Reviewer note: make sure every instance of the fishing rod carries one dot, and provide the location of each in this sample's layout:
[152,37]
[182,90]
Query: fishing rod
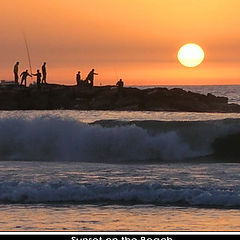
[28,54]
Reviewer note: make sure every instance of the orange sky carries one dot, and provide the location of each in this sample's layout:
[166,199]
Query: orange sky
[137,40]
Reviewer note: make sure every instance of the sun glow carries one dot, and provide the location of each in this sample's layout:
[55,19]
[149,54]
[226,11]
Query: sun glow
[190,55]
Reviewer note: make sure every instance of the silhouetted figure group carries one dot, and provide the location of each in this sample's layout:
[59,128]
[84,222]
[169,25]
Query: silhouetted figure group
[41,77]
[88,82]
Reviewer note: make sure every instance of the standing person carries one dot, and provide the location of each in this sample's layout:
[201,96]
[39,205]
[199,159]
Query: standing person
[44,73]
[15,71]
[78,78]
[90,77]
[24,76]
[39,75]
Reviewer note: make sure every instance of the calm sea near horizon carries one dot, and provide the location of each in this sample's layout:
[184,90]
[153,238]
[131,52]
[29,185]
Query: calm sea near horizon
[93,170]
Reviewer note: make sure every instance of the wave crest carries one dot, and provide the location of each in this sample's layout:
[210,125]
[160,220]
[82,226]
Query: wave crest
[56,139]
[145,193]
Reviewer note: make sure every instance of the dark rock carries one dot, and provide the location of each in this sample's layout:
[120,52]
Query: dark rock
[53,96]
[211,97]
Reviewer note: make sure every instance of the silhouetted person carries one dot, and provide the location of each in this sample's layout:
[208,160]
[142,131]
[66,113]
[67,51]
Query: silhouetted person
[120,83]
[90,77]
[44,73]
[78,78]
[24,76]
[15,71]
[39,75]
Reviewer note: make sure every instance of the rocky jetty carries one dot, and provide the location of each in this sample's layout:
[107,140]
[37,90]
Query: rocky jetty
[53,96]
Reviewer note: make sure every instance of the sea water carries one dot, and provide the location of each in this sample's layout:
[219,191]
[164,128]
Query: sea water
[118,171]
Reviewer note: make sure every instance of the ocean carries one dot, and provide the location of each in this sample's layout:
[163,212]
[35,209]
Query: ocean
[119,170]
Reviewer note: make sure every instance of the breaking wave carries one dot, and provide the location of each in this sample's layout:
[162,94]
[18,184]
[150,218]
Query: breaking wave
[58,139]
[145,193]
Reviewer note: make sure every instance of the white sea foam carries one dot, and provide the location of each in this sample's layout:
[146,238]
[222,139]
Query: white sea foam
[67,140]
[57,139]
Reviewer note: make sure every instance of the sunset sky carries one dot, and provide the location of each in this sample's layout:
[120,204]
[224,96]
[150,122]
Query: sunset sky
[136,40]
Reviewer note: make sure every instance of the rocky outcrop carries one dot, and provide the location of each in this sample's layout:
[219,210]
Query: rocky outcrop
[53,96]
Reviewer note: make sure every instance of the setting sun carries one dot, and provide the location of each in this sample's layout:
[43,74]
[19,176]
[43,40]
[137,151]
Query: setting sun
[190,55]
[119,116]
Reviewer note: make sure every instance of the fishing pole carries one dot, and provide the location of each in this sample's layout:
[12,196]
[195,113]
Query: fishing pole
[28,54]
